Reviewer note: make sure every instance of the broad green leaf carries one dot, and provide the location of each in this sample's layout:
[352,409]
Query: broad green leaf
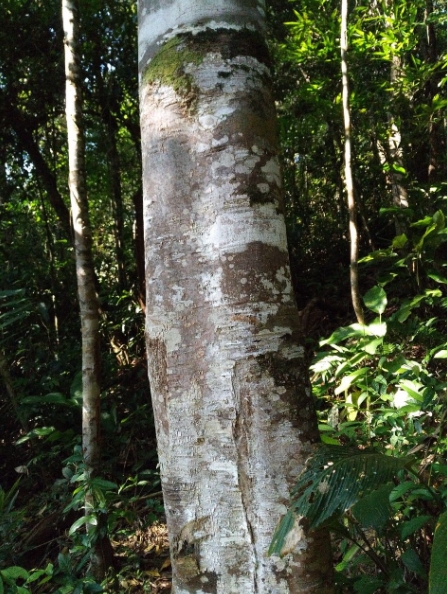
[350,363]
[377,255]
[374,510]
[347,380]
[441,354]
[413,563]
[438,566]
[376,299]
[422,222]
[14,572]
[439,219]
[329,440]
[399,169]
[413,389]
[400,241]
[411,526]
[37,574]
[324,362]
[90,519]
[372,346]
[343,333]
[438,278]
[394,365]
[376,329]
[325,428]
[408,212]
[103,484]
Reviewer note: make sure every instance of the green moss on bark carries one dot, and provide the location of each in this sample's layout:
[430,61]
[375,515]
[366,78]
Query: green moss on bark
[167,67]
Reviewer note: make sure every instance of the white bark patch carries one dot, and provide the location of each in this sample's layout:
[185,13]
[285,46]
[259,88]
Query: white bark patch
[170,18]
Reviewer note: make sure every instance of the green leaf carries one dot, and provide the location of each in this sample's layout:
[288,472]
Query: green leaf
[400,241]
[376,299]
[376,329]
[14,572]
[281,532]
[411,526]
[441,354]
[329,440]
[90,519]
[438,565]
[413,389]
[347,557]
[412,562]
[342,334]
[374,510]
[347,380]
[439,219]
[377,255]
[368,584]
[372,346]
[103,484]
[422,222]
[438,278]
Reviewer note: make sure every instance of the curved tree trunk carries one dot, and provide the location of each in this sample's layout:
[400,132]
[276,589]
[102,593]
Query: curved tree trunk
[349,181]
[234,413]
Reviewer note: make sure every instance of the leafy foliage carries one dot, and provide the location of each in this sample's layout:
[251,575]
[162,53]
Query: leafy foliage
[384,388]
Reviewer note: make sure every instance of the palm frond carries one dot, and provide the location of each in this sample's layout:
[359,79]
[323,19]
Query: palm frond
[335,477]
[333,480]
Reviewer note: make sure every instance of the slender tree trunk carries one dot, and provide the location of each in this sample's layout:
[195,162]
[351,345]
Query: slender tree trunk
[353,230]
[137,199]
[435,142]
[391,153]
[47,177]
[88,302]
[234,414]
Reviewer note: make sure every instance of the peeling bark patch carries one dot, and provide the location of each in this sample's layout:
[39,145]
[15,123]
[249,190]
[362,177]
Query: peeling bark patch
[252,276]
[157,374]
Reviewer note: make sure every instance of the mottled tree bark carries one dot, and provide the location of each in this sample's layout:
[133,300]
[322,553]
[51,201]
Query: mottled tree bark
[234,413]
[88,302]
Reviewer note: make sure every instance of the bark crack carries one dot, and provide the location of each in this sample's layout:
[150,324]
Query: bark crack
[241,446]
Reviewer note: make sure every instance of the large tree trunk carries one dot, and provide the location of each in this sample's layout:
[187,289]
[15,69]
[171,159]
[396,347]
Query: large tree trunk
[234,414]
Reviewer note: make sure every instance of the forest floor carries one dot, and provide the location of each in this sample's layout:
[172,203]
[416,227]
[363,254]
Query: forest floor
[149,548]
